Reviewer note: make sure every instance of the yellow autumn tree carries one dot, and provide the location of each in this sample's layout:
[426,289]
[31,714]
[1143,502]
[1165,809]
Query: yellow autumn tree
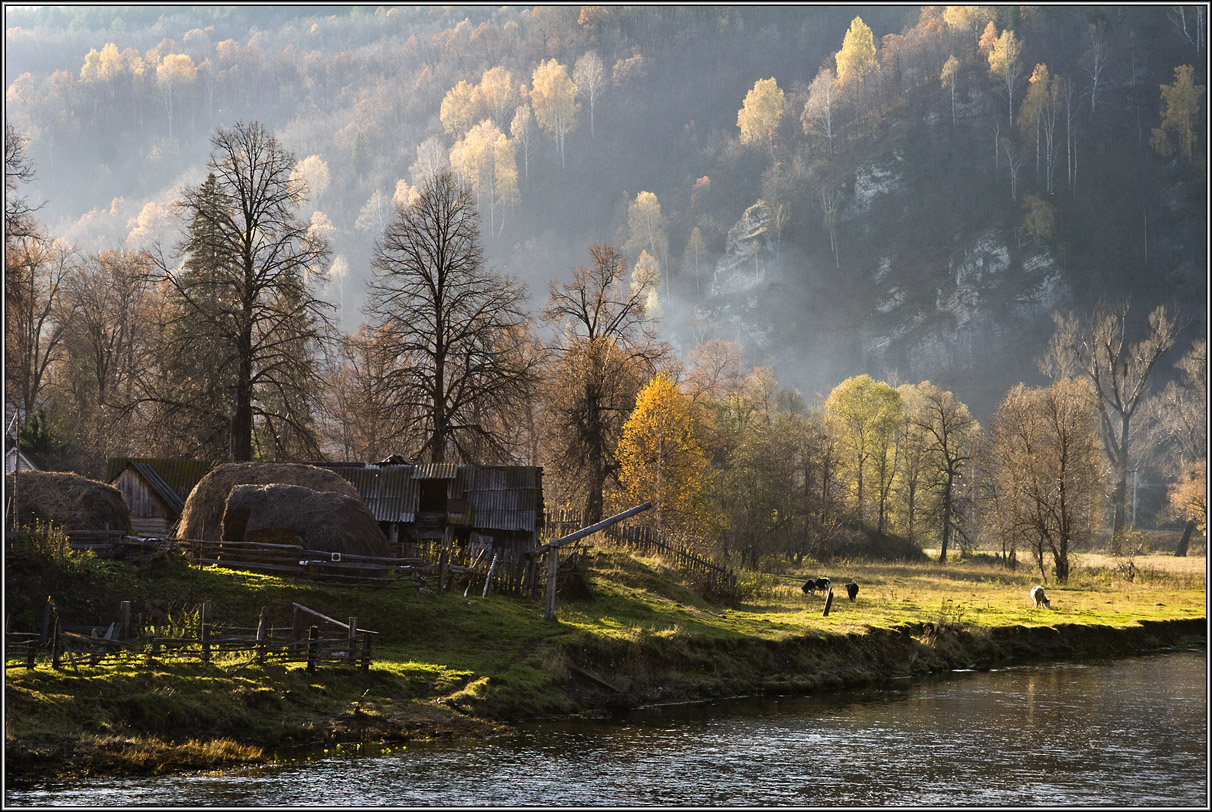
[761,113]
[857,61]
[660,459]
[1182,101]
[1004,65]
[460,108]
[174,72]
[553,95]
[499,93]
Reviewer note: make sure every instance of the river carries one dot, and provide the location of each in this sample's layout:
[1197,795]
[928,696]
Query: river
[1129,732]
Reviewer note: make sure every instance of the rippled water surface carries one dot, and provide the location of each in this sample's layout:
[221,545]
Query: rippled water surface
[1122,733]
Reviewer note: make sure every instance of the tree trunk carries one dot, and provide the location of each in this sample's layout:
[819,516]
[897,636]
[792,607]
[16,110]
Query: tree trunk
[1185,541]
[241,424]
[942,557]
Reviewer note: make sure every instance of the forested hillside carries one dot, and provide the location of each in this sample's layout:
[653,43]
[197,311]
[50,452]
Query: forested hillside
[909,193]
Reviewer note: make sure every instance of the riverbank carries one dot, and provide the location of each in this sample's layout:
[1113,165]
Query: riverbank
[452,666]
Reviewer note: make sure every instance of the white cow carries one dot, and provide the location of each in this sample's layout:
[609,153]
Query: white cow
[1037,595]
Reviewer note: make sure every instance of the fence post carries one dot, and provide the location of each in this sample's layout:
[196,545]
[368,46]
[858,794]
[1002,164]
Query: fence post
[366,651]
[828,602]
[46,619]
[261,632]
[442,559]
[313,647]
[353,640]
[553,567]
[31,649]
[204,632]
[151,646]
[124,620]
[55,663]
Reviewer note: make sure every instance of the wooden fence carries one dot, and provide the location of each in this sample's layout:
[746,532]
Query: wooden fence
[647,541]
[509,567]
[302,641]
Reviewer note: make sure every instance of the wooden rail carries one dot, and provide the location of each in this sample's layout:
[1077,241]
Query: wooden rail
[74,646]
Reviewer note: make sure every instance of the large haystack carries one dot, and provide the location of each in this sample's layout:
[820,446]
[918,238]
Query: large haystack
[332,522]
[202,517]
[69,501]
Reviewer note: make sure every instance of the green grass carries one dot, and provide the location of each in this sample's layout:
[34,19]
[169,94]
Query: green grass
[443,660]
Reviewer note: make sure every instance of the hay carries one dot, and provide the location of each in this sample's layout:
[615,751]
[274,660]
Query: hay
[203,514]
[68,501]
[331,522]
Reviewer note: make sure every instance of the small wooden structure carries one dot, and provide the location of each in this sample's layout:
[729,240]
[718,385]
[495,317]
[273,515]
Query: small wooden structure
[155,490]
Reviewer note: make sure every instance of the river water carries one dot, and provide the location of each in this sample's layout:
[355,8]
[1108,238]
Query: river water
[1130,732]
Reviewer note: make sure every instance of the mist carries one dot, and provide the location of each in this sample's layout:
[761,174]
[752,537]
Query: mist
[936,276]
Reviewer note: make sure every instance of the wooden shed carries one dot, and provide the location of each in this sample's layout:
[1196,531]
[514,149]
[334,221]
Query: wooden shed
[481,505]
[155,490]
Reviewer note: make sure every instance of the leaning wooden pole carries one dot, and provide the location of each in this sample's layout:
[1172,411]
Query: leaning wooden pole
[553,556]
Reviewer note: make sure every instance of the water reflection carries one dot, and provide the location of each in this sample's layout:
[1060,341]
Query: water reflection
[1131,732]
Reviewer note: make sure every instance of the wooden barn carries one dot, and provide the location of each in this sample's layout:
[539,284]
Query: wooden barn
[155,490]
[473,508]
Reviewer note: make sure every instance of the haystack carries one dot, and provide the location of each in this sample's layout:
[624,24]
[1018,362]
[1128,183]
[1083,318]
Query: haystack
[69,501]
[332,522]
[202,517]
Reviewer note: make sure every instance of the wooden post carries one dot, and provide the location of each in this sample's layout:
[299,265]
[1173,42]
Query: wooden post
[55,644]
[124,620]
[204,632]
[313,647]
[151,646]
[353,640]
[296,623]
[31,649]
[442,559]
[488,577]
[366,652]
[553,568]
[46,619]
[262,625]
[828,602]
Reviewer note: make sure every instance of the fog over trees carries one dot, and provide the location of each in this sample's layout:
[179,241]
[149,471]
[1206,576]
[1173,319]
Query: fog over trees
[858,255]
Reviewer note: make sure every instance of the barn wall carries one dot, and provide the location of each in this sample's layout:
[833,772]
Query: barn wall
[140,498]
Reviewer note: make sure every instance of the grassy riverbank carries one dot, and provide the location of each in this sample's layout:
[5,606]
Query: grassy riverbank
[456,666]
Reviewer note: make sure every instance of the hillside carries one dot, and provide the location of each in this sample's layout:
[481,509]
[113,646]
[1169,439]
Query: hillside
[942,270]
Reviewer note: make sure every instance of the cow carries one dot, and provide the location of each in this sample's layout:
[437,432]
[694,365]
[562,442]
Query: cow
[1037,595]
[814,585]
[851,590]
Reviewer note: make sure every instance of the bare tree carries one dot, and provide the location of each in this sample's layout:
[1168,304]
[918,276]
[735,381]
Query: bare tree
[1094,59]
[34,317]
[455,332]
[604,348]
[1098,349]
[1014,162]
[245,293]
[949,432]
[1046,470]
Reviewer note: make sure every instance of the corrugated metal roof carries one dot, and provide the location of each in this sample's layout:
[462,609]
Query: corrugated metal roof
[435,470]
[389,491]
[496,497]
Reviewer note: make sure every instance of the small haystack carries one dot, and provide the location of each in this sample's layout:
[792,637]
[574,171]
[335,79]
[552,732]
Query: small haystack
[203,514]
[331,522]
[69,501]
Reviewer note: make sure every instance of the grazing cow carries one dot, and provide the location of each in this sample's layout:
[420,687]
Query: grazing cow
[851,590]
[815,585]
[1037,595]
